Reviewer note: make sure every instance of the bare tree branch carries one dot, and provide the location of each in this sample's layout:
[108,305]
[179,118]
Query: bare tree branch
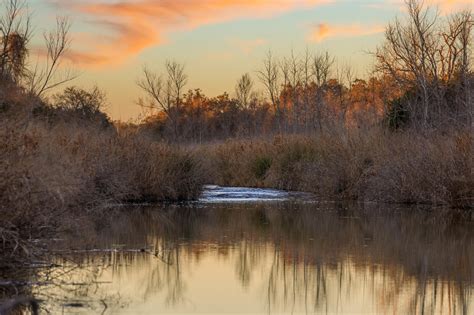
[57,43]
[243,90]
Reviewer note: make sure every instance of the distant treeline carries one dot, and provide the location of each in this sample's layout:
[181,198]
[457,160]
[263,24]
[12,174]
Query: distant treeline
[423,78]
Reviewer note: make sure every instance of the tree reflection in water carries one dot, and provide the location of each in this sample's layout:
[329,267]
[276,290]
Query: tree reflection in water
[285,257]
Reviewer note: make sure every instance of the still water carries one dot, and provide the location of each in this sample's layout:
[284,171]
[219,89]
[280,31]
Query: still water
[265,252]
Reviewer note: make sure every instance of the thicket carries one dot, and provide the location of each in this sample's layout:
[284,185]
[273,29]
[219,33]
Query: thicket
[376,166]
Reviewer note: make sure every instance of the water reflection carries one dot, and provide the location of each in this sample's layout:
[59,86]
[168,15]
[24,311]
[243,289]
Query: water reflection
[269,258]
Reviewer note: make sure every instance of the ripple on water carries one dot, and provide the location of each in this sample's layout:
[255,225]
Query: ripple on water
[217,194]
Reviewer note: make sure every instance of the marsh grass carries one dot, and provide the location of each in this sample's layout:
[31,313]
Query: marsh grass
[370,165]
[59,169]
[57,175]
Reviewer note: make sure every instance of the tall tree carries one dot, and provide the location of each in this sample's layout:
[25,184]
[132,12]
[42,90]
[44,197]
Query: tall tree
[165,91]
[269,75]
[243,90]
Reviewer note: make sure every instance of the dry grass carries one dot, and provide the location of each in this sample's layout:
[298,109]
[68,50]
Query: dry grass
[434,169]
[374,165]
[56,175]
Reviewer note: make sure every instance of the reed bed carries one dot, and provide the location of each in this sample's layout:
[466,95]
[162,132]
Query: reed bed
[371,165]
[55,176]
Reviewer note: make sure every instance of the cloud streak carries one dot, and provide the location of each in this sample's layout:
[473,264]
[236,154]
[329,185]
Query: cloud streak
[127,27]
[325,31]
[450,6]
[445,6]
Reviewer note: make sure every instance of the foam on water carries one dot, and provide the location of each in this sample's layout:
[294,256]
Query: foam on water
[217,194]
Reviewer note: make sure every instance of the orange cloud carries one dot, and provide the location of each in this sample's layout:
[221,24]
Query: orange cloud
[450,6]
[130,26]
[445,6]
[324,31]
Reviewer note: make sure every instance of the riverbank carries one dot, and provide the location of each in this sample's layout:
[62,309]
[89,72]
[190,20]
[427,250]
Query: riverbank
[55,178]
[59,171]
[62,170]
[374,165]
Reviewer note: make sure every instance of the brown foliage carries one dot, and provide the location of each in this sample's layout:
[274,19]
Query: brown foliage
[371,166]
[55,174]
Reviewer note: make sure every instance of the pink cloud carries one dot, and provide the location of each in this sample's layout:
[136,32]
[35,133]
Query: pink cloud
[130,26]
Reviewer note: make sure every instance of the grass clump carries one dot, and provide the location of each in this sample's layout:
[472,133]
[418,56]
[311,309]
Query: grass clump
[260,167]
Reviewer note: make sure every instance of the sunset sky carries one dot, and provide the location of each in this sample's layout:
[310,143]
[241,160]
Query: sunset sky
[217,40]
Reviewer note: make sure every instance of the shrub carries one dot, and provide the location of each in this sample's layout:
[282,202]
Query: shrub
[260,167]
[398,115]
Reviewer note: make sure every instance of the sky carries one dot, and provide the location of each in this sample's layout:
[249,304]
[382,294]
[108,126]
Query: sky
[216,40]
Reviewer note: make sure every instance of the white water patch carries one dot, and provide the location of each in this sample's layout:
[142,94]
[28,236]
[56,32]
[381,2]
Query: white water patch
[217,194]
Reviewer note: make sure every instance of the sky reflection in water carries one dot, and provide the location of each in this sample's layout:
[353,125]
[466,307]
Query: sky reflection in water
[280,257]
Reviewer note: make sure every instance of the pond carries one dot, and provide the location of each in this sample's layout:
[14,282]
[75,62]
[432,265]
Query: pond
[246,251]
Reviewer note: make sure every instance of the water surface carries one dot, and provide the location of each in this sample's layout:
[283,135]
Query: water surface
[277,257]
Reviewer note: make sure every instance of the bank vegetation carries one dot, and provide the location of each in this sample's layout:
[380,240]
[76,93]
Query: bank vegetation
[403,135]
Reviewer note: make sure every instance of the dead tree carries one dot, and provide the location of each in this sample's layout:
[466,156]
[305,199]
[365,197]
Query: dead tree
[243,90]
[269,75]
[47,77]
[164,92]
[292,74]
[456,59]
[307,84]
[345,77]
[177,79]
[322,68]
[426,54]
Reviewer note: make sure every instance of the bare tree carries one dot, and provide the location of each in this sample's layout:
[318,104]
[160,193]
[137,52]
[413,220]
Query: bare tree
[345,77]
[295,70]
[16,33]
[284,95]
[243,90]
[165,92]
[269,75]
[410,48]
[458,41]
[48,76]
[424,55]
[292,74]
[177,79]
[307,80]
[322,68]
